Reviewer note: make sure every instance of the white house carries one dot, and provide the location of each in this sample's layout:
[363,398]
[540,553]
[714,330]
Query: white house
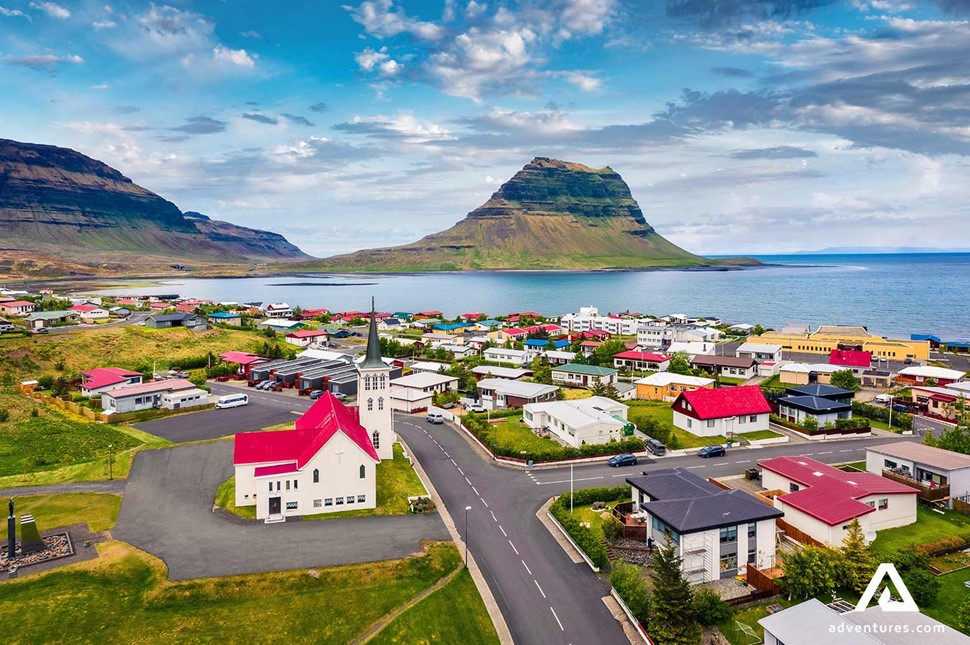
[504,393]
[723,411]
[586,376]
[101,379]
[641,361]
[821,500]
[694,348]
[729,366]
[559,357]
[460,352]
[929,467]
[306,337]
[496,371]
[426,382]
[281,324]
[143,396]
[89,313]
[183,399]
[278,310]
[919,374]
[716,532]
[430,367]
[518,357]
[589,319]
[760,352]
[578,422]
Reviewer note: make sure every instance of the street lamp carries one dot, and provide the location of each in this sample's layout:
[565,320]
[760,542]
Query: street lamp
[110,460]
[467,508]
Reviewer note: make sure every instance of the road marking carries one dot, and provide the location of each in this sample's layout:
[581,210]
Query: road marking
[557,619]
[513,547]
[746,461]
[693,467]
[459,469]
[566,481]
[493,516]
[620,475]
[446,454]
[502,530]
[723,463]
[483,501]
[476,491]
[540,588]
[526,567]
[827,452]
[846,451]
[469,483]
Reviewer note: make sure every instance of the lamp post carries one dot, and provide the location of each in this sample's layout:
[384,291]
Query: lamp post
[110,460]
[467,508]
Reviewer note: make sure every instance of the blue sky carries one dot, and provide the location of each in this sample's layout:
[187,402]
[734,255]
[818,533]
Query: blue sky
[742,126]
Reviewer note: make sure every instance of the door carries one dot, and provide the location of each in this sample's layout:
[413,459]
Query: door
[274,506]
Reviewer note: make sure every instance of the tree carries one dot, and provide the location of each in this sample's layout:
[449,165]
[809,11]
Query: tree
[679,364]
[964,616]
[61,389]
[673,619]
[846,380]
[857,561]
[709,607]
[913,569]
[956,438]
[603,355]
[808,572]
[542,374]
[603,389]
[625,578]
[757,330]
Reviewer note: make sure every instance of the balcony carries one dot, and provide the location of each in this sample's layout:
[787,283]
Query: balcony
[927,491]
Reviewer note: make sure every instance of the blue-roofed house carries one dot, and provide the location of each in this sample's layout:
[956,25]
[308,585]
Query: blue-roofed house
[536,343]
[226,318]
[487,325]
[933,340]
[451,328]
[559,344]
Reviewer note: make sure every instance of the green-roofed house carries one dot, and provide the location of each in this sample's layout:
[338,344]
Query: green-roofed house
[583,375]
[40,319]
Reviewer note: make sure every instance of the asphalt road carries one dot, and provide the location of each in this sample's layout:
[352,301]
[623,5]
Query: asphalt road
[264,409]
[544,596]
[133,319]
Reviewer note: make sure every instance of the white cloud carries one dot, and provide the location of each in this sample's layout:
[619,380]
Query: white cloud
[382,19]
[100,86]
[585,17]
[43,61]
[237,57]
[370,60]
[583,80]
[13,13]
[104,24]
[52,9]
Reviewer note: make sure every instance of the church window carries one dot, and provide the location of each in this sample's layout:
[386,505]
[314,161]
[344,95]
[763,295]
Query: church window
[317,503]
[340,501]
[363,471]
[287,484]
[291,506]
[316,475]
[376,439]
[380,403]
[383,379]
[370,404]
[350,499]
[328,501]
[367,382]
[296,484]
[361,499]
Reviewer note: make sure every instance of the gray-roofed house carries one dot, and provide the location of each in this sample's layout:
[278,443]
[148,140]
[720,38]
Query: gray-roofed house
[165,321]
[505,393]
[715,531]
[934,471]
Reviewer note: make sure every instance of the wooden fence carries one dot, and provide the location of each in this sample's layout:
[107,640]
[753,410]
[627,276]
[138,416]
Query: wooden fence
[927,492]
[797,534]
[761,581]
[961,506]
[718,484]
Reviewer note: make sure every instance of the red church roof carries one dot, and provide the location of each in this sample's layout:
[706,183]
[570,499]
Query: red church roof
[723,402]
[313,430]
[850,358]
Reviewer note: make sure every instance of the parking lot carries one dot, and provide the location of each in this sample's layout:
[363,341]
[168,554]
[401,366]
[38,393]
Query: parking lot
[264,409]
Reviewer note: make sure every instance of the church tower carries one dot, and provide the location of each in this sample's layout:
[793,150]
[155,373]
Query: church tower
[374,395]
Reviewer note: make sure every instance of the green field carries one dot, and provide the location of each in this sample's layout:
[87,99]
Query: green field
[659,410]
[124,597]
[98,510]
[516,435]
[586,514]
[760,434]
[226,499]
[929,526]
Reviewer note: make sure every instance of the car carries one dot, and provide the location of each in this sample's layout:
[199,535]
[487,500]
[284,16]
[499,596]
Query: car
[435,417]
[475,407]
[259,384]
[624,459]
[6,327]
[182,374]
[899,407]
[316,394]
[40,330]
[265,385]
[711,451]
[447,406]
[908,361]
[655,446]
[340,396]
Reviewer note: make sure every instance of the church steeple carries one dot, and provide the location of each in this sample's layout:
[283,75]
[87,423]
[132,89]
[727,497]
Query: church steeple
[373,357]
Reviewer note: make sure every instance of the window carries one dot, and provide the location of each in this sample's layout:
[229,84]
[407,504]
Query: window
[710,423]
[367,382]
[741,419]
[370,404]
[277,487]
[690,423]
[752,530]
[328,501]
[363,471]
[296,484]
[752,555]
[380,403]
[376,439]
[317,503]
[729,534]
[753,418]
[291,506]
[316,475]
[889,464]
[271,487]
[246,496]
[729,562]
[793,488]
[883,503]
[872,504]
[383,380]
[350,499]
[340,501]
[361,499]
[287,484]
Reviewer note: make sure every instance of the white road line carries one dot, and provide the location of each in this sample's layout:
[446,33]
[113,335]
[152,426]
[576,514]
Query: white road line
[502,530]
[446,454]
[620,475]
[483,501]
[526,567]
[746,461]
[694,467]
[846,451]
[723,463]
[459,469]
[513,547]
[476,491]
[469,483]
[557,619]
[493,516]
[827,452]
[566,481]
[540,588]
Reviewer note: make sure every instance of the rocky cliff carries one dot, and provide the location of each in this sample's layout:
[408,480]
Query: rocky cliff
[57,201]
[551,215]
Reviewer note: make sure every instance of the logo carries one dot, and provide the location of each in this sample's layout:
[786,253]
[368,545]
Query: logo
[885,598]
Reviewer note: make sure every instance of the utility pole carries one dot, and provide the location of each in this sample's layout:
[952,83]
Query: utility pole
[467,508]
[570,489]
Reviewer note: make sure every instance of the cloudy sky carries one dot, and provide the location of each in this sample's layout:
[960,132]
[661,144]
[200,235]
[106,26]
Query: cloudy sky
[742,126]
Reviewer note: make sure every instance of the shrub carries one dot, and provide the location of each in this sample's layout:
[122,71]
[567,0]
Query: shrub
[582,536]
[34,412]
[612,529]
[945,545]
[45,382]
[879,413]
[4,415]
[625,578]
[709,607]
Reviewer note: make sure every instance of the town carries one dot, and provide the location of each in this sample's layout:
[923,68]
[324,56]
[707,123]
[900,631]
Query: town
[564,477]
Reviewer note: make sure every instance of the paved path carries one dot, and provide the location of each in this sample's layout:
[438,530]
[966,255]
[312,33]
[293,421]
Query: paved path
[167,511]
[115,486]
[544,596]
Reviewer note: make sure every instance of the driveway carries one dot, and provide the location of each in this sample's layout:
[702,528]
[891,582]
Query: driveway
[167,511]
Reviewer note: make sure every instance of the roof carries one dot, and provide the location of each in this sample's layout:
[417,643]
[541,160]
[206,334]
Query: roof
[225,314]
[759,348]
[553,353]
[815,404]
[514,331]
[429,366]
[929,371]
[663,379]
[150,387]
[508,352]
[17,303]
[307,333]
[172,317]
[642,356]
[722,361]
[281,322]
[576,368]
[919,452]
[240,358]
[51,315]
[850,357]
[819,389]
[81,308]
[537,342]
[689,504]
[422,380]
[410,394]
[453,326]
[930,337]
[103,376]
[278,469]
[831,495]
[313,430]
[516,388]
[726,402]
[502,372]
[580,413]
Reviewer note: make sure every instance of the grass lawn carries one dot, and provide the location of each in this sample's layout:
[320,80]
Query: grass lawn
[760,434]
[659,410]
[124,597]
[99,510]
[858,465]
[226,498]
[572,393]
[951,562]
[687,440]
[453,614]
[749,616]
[929,526]
[773,382]
[514,434]
[595,518]
[727,380]
[946,609]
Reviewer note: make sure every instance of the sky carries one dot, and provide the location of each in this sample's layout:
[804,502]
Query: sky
[741,126]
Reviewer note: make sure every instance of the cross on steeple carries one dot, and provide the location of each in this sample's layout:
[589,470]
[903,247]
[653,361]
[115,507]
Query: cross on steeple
[340,453]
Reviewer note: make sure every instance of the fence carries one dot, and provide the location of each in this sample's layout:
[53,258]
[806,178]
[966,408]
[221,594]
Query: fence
[929,493]
[961,506]
[768,496]
[797,534]
[761,581]
[718,484]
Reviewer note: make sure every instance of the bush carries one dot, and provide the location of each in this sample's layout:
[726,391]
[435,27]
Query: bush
[900,419]
[612,529]
[852,424]
[4,415]
[45,382]
[34,412]
[582,536]
[586,496]
[945,545]
[709,607]
[625,578]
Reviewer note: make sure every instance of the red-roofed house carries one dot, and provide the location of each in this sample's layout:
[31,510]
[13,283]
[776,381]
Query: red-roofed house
[186,308]
[597,334]
[433,313]
[633,360]
[473,316]
[306,337]
[853,359]
[821,500]
[244,360]
[90,313]
[708,413]
[16,307]
[102,379]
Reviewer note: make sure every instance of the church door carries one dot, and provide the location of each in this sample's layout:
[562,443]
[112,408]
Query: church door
[274,506]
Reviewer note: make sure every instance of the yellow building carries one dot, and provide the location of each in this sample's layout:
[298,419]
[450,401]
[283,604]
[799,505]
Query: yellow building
[829,337]
[666,386]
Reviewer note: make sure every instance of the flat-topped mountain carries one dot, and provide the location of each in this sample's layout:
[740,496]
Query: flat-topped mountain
[551,215]
[59,202]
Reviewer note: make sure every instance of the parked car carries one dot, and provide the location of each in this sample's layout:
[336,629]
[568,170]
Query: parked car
[436,417]
[711,451]
[6,327]
[899,407]
[655,447]
[316,394]
[884,398]
[266,385]
[259,385]
[39,330]
[182,374]
[340,396]
[475,407]
[624,459]
[447,406]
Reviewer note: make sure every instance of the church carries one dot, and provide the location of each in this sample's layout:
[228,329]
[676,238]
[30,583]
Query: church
[328,462]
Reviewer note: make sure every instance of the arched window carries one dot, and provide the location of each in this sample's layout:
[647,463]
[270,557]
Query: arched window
[363,472]
[316,475]
[380,403]
[370,404]
[367,382]
[376,439]
[383,379]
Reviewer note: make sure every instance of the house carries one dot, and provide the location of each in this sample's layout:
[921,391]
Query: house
[590,319]
[144,396]
[518,357]
[586,376]
[119,312]
[414,392]
[724,411]
[821,500]
[581,421]
[729,366]
[760,352]
[715,532]
[536,344]
[641,361]
[183,399]
[559,357]
[828,337]
[814,623]
[39,319]
[948,403]
[481,371]
[231,318]
[822,390]
[389,324]
[505,336]
[429,367]
[924,467]
[437,340]
[281,324]
[503,393]
[487,325]
[929,375]
[824,403]
[742,329]
[667,386]
[451,329]
[90,313]
[588,347]
[306,337]
[806,374]
[16,307]
[166,321]
[693,348]
[851,359]
[460,352]
[278,310]
[244,360]
[881,379]
[101,379]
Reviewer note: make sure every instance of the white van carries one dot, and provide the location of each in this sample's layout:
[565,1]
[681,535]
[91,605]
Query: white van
[435,417]
[232,401]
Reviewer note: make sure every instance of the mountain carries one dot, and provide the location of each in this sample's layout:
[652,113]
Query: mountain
[551,215]
[59,202]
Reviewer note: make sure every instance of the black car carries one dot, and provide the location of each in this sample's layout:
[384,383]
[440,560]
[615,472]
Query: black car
[711,451]
[625,459]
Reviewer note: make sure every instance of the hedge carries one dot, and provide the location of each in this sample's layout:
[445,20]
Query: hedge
[879,413]
[945,545]
[585,538]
